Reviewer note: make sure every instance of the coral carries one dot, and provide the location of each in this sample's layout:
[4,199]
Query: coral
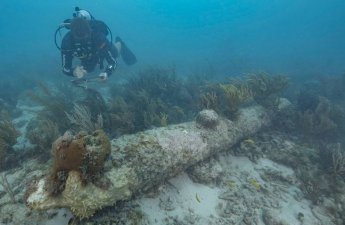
[7,187]
[152,98]
[41,134]
[318,122]
[3,152]
[163,120]
[209,100]
[145,100]
[338,160]
[8,132]
[225,98]
[267,89]
[97,150]
[176,113]
[8,137]
[94,101]
[121,116]
[312,184]
[63,107]
[337,114]
[9,93]
[322,110]
[162,83]
[286,119]
[83,153]
[82,120]
[54,103]
[235,94]
[97,106]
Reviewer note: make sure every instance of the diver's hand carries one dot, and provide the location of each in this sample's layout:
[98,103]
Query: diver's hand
[103,76]
[79,72]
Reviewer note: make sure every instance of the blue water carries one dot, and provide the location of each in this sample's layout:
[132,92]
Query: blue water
[294,37]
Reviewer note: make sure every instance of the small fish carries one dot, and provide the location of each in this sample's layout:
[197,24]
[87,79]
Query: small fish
[249,141]
[197,198]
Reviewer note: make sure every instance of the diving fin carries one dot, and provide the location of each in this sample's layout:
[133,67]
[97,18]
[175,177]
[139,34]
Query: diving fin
[126,54]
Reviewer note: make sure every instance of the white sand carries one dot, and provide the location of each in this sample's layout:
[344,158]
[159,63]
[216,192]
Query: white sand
[186,196]
[192,200]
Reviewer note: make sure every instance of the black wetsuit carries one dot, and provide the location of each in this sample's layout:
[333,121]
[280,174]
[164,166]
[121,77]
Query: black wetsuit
[91,52]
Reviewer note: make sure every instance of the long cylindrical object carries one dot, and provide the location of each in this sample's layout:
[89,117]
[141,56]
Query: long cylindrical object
[145,159]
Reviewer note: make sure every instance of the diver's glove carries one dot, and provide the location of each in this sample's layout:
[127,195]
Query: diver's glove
[110,68]
[79,72]
[103,76]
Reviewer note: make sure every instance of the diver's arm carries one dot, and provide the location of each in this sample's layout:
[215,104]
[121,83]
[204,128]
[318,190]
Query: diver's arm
[110,55]
[110,68]
[67,55]
[66,59]
[107,51]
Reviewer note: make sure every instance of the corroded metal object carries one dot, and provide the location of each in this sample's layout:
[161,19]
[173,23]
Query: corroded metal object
[145,159]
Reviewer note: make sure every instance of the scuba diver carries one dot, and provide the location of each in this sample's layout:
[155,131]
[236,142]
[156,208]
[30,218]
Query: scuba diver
[87,40]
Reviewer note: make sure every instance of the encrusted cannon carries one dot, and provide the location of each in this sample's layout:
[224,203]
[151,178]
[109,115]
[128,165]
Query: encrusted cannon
[138,162]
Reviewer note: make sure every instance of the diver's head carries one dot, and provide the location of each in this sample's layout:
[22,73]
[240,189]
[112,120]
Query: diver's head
[81,13]
[80,28]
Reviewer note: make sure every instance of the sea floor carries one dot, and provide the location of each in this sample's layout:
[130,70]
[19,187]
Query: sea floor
[262,192]
[256,182]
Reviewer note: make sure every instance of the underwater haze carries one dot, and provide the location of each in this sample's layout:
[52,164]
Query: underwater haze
[297,38]
[231,112]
